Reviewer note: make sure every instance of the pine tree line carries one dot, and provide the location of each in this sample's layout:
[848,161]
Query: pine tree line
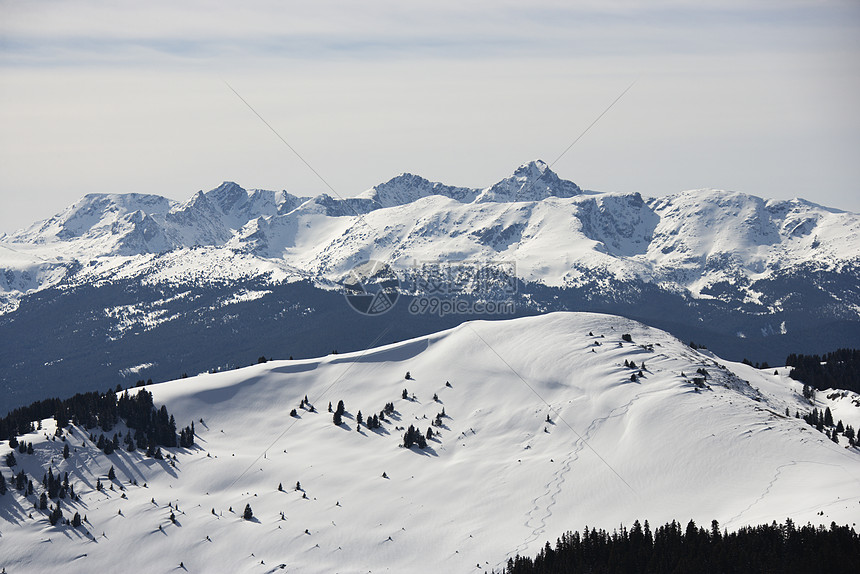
[153,427]
[823,422]
[767,548]
[839,369]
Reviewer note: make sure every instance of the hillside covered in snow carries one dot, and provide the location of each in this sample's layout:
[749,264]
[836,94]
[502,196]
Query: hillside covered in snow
[550,423]
[114,277]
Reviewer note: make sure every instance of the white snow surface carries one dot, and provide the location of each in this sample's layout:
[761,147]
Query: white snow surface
[555,232]
[497,480]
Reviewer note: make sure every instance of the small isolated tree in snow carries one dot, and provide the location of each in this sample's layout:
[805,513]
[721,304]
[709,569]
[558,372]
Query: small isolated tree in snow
[248,514]
[56,515]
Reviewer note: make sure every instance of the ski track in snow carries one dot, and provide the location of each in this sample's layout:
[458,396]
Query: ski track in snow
[555,485]
[772,482]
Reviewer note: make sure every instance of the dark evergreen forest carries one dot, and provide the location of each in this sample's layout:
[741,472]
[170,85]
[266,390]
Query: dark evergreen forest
[839,369]
[768,548]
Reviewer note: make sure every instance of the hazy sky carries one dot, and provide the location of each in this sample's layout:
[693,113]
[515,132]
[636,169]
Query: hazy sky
[756,96]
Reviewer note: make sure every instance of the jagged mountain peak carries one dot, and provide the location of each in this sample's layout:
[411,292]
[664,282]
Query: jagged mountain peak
[534,168]
[92,211]
[407,188]
[532,181]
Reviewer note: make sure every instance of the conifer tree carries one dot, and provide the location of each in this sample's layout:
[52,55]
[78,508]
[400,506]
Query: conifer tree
[248,514]
[56,515]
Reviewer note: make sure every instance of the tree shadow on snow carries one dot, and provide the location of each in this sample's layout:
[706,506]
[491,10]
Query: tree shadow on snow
[10,509]
[426,451]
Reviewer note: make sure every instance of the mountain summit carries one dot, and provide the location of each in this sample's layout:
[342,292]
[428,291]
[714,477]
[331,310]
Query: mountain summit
[533,181]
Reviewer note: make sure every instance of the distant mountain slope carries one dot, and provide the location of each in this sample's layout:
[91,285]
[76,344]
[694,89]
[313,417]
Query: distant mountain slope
[744,275]
[497,477]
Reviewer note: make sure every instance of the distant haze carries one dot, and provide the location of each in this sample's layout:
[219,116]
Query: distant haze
[758,97]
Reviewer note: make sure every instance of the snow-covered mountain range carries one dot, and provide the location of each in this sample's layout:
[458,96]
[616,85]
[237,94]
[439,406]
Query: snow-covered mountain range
[554,230]
[547,428]
[731,270]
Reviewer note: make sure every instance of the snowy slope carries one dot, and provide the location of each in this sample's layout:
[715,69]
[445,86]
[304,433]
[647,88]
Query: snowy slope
[498,479]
